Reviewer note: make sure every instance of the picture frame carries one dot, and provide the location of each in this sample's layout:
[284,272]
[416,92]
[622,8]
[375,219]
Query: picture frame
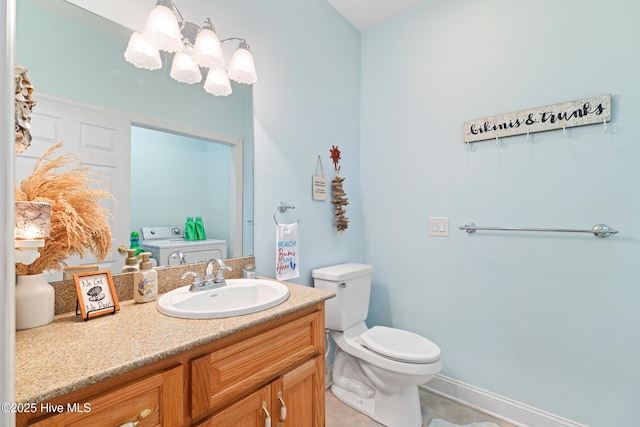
[68,272]
[96,294]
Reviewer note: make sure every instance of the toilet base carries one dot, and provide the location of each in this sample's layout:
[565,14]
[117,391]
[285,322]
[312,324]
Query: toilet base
[397,410]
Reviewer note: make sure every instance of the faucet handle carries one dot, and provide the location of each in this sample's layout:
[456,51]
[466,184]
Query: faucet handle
[196,278]
[220,273]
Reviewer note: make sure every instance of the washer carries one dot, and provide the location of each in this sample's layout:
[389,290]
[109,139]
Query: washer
[162,241]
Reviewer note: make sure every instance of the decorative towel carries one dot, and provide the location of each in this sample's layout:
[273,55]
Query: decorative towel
[287,251]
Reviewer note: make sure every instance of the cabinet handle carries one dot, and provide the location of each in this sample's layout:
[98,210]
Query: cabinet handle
[283,408]
[141,416]
[267,419]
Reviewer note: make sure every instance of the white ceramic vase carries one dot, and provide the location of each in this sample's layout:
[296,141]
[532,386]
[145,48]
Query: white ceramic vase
[35,301]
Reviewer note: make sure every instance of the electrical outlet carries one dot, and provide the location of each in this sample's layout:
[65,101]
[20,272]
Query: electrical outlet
[439,226]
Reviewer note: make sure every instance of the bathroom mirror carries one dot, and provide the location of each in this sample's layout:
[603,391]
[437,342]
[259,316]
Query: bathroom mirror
[74,54]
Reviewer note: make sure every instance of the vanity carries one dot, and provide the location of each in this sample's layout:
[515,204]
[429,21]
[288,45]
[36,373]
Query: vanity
[142,368]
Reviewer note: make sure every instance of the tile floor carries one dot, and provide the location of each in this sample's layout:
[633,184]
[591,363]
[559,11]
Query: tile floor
[434,406]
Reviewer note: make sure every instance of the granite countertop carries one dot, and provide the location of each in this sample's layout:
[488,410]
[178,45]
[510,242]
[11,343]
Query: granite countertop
[71,353]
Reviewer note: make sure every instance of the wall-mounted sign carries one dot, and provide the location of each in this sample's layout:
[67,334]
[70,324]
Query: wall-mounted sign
[580,112]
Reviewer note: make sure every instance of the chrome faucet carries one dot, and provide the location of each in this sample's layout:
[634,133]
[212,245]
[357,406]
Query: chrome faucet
[179,255]
[218,279]
[210,281]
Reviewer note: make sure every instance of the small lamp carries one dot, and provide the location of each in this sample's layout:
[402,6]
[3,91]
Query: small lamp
[32,226]
[35,298]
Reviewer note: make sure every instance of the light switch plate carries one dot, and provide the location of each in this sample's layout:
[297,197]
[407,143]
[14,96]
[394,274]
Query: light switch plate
[438,226]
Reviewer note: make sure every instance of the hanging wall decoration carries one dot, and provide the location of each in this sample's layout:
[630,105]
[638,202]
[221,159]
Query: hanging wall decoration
[580,112]
[24,103]
[340,199]
[318,183]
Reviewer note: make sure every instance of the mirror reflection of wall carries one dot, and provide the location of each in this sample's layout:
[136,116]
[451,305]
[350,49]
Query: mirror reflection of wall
[81,59]
[175,176]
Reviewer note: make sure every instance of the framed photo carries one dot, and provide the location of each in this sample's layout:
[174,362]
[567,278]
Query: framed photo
[96,293]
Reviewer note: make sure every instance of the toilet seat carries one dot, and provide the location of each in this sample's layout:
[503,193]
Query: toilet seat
[400,345]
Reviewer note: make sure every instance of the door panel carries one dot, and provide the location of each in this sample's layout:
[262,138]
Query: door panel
[102,138]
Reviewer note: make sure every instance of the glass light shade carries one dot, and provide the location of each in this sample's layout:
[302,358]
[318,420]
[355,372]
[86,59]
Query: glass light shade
[32,220]
[217,82]
[162,29]
[242,68]
[142,54]
[207,51]
[184,69]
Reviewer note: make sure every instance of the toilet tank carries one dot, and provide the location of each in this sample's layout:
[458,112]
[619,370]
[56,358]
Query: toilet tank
[351,283]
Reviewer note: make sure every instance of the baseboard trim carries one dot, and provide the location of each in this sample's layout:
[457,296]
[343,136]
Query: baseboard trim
[497,406]
[328,375]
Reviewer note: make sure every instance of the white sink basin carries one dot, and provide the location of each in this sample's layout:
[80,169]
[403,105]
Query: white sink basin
[238,297]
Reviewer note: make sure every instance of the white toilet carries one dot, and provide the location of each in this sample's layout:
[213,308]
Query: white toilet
[375,371]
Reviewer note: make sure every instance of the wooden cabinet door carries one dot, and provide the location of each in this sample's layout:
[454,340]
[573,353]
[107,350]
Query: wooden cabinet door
[301,392]
[159,398]
[252,411]
[228,374]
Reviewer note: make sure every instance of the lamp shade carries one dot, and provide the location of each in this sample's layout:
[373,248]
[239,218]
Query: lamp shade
[217,82]
[142,54]
[242,68]
[162,29]
[184,69]
[32,220]
[207,51]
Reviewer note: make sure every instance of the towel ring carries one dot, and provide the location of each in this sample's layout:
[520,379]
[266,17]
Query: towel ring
[282,207]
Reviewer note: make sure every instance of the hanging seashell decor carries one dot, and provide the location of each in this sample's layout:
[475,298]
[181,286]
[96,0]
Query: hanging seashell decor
[340,199]
[24,103]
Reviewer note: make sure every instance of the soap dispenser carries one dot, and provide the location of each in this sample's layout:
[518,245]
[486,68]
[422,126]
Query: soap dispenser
[145,281]
[131,263]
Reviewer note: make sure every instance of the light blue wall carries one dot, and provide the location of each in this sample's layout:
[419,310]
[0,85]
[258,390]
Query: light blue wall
[307,99]
[173,176]
[550,320]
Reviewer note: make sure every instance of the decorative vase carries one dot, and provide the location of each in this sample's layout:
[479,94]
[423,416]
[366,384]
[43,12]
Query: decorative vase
[35,301]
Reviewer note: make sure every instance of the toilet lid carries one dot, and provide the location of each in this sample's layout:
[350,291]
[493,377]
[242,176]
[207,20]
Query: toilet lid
[400,345]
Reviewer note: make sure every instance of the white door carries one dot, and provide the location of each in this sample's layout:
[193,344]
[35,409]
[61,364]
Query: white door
[102,138]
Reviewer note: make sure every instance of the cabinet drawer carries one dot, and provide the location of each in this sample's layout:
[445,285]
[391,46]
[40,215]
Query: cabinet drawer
[223,376]
[160,396]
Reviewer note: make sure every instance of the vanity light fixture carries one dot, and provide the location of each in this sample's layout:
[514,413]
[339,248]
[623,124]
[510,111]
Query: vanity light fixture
[194,46]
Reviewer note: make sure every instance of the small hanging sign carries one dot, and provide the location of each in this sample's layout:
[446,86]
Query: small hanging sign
[319,184]
[580,112]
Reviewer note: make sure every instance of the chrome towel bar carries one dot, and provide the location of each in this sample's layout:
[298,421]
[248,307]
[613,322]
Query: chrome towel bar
[599,230]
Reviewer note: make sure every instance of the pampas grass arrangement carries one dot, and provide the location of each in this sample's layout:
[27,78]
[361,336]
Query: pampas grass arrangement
[78,223]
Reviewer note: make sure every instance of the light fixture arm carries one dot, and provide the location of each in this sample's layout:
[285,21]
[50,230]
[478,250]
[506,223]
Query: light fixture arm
[234,38]
[189,32]
[243,43]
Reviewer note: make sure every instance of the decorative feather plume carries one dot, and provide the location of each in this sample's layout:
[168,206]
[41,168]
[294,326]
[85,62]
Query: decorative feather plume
[78,223]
